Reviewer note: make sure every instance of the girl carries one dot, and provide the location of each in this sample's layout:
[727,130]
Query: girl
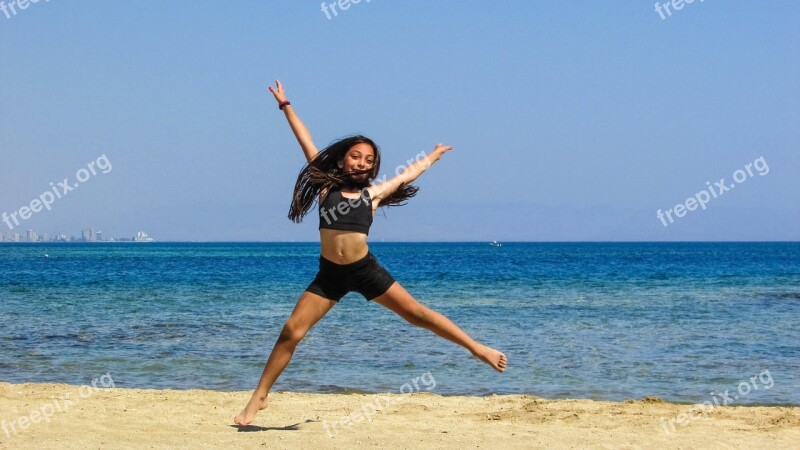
[338,178]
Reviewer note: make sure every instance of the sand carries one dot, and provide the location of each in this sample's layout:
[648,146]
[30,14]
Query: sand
[135,418]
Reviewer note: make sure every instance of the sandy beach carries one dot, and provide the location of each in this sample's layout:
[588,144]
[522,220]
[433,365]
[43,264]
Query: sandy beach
[65,416]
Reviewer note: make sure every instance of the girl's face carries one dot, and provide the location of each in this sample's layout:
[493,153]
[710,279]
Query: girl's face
[359,157]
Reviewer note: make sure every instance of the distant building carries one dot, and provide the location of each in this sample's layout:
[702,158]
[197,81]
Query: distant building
[99,236]
[32,236]
[89,235]
[142,237]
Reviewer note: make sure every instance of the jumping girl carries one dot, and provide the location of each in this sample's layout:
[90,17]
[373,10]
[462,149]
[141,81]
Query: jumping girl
[339,180]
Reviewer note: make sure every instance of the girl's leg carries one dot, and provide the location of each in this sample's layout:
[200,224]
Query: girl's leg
[310,308]
[401,302]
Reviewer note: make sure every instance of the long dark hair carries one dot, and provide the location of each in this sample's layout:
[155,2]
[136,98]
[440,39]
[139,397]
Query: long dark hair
[322,172]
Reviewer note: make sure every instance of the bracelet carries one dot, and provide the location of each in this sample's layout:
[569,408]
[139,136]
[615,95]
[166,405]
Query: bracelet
[283,103]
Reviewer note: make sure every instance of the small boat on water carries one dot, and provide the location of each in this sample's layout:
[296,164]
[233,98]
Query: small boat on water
[495,244]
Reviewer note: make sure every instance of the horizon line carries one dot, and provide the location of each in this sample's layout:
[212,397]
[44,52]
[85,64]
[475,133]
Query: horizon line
[409,242]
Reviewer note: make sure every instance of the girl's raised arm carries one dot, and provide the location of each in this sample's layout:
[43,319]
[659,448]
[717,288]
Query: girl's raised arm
[410,173]
[300,130]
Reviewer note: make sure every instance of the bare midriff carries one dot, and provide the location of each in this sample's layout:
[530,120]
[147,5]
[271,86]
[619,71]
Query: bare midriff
[342,247]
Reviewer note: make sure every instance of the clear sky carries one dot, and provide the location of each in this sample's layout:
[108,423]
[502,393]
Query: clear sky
[570,120]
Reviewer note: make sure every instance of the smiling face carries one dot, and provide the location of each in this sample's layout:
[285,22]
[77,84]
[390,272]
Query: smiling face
[359,157]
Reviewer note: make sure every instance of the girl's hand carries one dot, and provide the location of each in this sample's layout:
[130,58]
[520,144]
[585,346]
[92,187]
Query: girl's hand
[280,96]
[441,150]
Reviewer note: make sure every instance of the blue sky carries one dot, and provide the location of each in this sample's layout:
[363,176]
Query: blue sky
[570,120]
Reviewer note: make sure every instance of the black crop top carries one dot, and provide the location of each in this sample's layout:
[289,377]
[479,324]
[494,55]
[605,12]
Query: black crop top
[338,212]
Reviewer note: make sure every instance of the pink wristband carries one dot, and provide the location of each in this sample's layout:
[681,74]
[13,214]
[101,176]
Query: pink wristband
[283,103]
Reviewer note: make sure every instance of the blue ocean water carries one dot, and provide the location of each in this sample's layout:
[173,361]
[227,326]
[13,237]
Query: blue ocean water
[610,321]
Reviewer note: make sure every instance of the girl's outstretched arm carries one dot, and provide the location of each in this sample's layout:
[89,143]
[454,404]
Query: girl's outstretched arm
[300,130]
[410,173]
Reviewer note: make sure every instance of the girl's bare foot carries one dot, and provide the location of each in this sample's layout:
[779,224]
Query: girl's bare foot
[249,412]
[491,357]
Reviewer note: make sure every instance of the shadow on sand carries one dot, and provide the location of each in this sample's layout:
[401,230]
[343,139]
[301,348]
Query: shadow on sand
[254,428]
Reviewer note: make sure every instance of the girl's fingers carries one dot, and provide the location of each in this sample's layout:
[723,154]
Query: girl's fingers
[278,87]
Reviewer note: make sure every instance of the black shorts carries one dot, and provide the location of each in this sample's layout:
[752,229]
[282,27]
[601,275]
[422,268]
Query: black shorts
[365,276]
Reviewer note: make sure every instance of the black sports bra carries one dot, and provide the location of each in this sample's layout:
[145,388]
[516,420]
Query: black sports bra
[338,212]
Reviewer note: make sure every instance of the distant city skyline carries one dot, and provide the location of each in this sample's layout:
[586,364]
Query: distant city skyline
[87,235]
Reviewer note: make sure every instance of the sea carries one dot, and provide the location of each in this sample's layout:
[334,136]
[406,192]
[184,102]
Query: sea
[684,322]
